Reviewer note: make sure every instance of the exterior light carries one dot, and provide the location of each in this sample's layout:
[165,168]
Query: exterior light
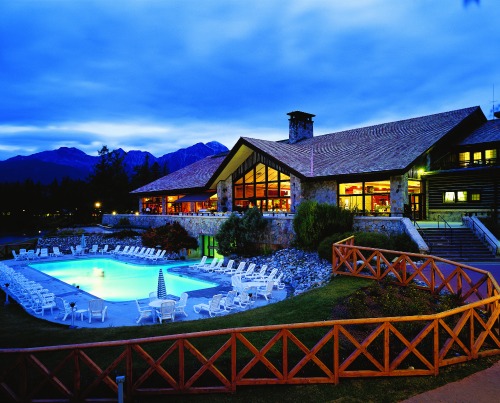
[97,204]
[420,171]
[136,213]
[114,213]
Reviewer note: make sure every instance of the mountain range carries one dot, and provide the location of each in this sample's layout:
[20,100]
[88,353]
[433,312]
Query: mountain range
[46,166]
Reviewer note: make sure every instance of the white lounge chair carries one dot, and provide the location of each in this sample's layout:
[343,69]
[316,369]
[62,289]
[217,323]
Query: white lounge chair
[124,251]
[260,275]
[228,302]
[158,256]
[166,311]
[16,256]
[94,249]
[144,312]
[229,267]
[278,283]
[56,251]
[238,270]
[180,306]
[199,264]
[249,272]
[97,309]
[213,307]
[243,299]
[104,250]
[211,266]
[141,252]
[115,251]
[152,256]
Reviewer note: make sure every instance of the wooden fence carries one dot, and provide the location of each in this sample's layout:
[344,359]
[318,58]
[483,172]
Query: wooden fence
[304,353]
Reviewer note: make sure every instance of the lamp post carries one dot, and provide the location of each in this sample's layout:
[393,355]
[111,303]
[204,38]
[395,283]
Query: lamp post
[7,302]
[72,305]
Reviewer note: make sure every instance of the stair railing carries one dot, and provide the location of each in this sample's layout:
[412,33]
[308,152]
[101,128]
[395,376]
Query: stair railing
[424,236]
[448,233]
[481,234]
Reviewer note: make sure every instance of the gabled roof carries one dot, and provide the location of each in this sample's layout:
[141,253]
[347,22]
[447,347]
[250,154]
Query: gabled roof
[487,133]
[393,146]
[191,178]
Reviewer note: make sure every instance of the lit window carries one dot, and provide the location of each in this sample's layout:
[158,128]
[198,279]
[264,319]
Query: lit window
[477,157]
[461,196]
[490,156]
[475,197]
[449,197]
[464,158]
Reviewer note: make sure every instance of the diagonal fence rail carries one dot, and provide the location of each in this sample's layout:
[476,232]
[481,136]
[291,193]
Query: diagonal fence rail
[219,361]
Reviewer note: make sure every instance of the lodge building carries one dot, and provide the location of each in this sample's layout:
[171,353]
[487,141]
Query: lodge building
[443,165]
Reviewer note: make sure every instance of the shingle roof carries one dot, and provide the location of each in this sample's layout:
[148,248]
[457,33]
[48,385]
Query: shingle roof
[194,177]
[487,133]
[384,147]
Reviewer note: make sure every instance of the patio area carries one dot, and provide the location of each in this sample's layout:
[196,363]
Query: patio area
[126,313]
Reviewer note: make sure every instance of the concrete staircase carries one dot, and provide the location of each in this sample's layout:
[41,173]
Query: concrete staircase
[459,244]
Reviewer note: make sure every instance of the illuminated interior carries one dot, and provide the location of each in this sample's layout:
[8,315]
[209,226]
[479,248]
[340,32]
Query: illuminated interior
[264,187]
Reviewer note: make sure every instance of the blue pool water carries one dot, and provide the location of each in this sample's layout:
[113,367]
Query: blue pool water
[118,281]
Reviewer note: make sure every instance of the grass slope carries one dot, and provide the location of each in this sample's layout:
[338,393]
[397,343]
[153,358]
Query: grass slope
[20,329]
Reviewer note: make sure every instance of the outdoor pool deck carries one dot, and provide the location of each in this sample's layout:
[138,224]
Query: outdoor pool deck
[125,313]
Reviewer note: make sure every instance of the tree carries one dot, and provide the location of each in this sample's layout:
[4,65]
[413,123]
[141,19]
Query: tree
[171,237]
[109,182]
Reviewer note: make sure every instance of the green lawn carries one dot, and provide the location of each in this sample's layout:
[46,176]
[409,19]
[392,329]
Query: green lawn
[20,329]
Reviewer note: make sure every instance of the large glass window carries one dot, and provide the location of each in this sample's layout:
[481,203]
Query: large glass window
[264,187]
[371,197]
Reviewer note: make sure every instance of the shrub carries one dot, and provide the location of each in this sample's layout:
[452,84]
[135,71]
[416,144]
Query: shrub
[314,221]
[240,235]
[404,243]
[325,246]
[171,237]
[399,242]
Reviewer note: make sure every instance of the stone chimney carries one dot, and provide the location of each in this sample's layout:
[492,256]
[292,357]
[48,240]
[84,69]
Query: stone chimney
[300,127]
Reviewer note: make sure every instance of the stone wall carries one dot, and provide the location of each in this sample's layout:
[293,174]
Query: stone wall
[322,192]
[279,232]
[391,226]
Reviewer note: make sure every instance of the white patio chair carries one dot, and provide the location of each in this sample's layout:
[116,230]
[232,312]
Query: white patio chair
[180,306]
[166,311]
[104,249]
[97,309]
[266,291]
[63,307]
[94,249]
[144,312]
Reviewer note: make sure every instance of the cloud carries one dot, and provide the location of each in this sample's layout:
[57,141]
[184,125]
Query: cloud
[182,69]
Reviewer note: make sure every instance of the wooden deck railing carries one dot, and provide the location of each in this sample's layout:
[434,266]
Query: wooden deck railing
[303,353]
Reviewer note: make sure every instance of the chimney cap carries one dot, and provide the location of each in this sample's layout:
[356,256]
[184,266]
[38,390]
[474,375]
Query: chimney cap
[300,114]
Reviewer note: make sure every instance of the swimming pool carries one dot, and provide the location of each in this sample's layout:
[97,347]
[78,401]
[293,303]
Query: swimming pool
[118,281]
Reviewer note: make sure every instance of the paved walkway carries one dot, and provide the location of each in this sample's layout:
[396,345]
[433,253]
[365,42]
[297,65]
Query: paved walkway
[481,387]
[126,313]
